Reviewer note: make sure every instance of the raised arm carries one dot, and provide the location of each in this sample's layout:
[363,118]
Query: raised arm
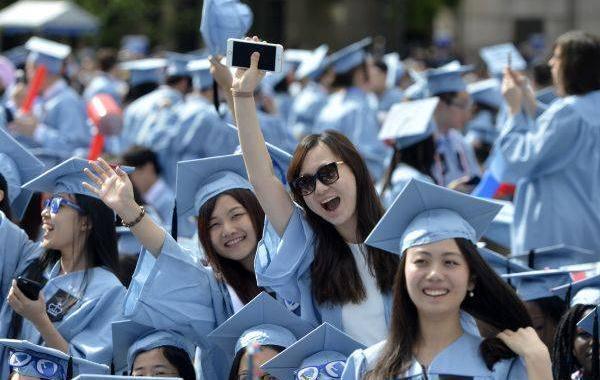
[269,190]
[114,188]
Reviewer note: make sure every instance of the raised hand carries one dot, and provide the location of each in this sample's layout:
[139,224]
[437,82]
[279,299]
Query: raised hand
[246,80]
[523,342]
[112,186]
[220,72]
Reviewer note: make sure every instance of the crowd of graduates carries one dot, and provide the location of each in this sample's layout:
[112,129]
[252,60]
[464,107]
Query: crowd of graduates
[354,216]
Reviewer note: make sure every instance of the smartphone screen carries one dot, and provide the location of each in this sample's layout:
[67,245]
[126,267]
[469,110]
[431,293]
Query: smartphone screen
[243,50]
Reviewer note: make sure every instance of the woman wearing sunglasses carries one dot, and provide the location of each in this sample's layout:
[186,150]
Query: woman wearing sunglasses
[80,293]
[313,256]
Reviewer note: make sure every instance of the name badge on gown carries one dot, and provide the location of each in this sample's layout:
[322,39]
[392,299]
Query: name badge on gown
[59,305]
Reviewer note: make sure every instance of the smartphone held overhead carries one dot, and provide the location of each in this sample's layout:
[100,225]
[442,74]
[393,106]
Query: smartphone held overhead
[239,52]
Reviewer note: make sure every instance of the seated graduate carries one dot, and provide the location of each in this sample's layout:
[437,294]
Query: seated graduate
[259,331]
[320,355]
[28,361]
[141,350]
[440,276]
[229,224]
[80,293]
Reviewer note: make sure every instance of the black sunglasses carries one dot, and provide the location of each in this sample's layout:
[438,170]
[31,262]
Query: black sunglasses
[326,174]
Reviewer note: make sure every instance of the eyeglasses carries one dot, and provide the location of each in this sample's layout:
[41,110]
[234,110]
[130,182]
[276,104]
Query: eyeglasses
[332,369]
[55,202]
[44,367]
[326,174]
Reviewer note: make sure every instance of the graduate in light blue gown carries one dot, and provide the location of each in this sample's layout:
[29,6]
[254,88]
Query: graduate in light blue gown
[81,294]
[141,350]
[58,122]
[349,110]
[411,125]
[383,77]
[440,276]
[230,220]
[17,166]
[104,82]
[313,257]
[316,77]
[31,361]
[553,159]
[259,331]
[455,158]
[320,355]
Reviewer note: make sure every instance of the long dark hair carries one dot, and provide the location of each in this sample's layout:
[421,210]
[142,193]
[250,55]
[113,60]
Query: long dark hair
[235,366]
[179,359]
[420,156]
[100,249]
[230,271]
[579,70]
[335,277]
[5,202]
[563,361]
[493,302]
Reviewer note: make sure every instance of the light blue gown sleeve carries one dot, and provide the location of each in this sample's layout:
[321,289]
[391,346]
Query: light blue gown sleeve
[356,366]
[513,369]
[282,264]
[65,128]
[16,253]
[533,149]
[172,292]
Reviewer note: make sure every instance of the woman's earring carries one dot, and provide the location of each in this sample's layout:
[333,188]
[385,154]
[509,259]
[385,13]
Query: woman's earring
[471,294]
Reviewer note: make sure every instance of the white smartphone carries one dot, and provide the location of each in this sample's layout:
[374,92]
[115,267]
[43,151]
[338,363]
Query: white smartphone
[239,52]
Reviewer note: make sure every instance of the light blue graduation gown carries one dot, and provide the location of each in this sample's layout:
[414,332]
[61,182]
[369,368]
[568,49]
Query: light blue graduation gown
[16,253]
[400,177]
[104,83]
[555,163]
[461,359]
[282,264]
[175,291]
[62,121]
[456,158]
[305,109]
[86,326]
[141,116]
[482,127]
[349,112]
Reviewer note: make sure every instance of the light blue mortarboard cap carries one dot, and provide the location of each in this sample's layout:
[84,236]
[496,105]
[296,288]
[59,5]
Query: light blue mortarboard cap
[48,53]
[313,65]
[27,356]
[499,230]
[263,320]
[294,57]
[424,213]
[496,58]
[18,166]
[534,285]
[135,43]
[585,292]
[501,264]
[447,78]
[587,322]
[200,70]
[221,20]
[177,64]
[486,92]
[395,69]
[349,57]
[557,256]
[145,70]
[321,346]
[131,338]
[417,90]
[409,122]
[66,177]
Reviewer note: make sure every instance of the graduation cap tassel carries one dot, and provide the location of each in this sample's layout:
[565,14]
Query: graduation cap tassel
[174,222]
[216,95]
[595,348]
[531,259]
[69,375]
[112,367]
[569,294]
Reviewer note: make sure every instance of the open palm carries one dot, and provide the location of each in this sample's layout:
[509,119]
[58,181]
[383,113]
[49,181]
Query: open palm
[112,186]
